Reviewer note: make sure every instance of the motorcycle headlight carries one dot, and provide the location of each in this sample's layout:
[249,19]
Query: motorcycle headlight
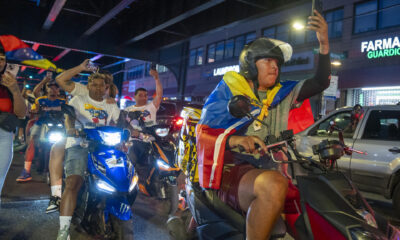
[162,132]
[105,187]
[110,138]
[134,181]
[55,137]
[163,165]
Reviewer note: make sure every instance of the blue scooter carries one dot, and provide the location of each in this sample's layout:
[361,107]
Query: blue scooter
[110,184]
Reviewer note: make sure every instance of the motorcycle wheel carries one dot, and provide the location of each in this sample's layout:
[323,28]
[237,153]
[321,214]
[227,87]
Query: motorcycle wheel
[122,230]
[396,199]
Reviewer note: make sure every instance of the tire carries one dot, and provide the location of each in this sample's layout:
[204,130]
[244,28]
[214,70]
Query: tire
[176,228]
[122,230]
[396,199]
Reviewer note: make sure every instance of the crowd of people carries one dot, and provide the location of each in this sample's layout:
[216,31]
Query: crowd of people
[94,104]
[244,188]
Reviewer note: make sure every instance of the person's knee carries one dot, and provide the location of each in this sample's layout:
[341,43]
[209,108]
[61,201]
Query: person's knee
[58,150]
[271,184]
[73,183]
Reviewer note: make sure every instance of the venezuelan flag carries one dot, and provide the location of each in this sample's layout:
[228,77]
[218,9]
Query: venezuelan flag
[216,124]
[17,50]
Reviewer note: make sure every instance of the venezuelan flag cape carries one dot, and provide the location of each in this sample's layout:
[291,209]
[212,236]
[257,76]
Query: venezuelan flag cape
[17,50]
[216,124]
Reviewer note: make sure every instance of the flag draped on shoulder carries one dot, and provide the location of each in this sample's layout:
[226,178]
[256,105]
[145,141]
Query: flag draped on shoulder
[17,50]
[216,124]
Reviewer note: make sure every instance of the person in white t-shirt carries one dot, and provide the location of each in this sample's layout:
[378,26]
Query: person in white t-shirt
[90,109]
[58,149]
[139,149]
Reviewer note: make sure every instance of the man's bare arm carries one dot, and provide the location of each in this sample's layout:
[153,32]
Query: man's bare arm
[64,79]
[159,88]
[39,87]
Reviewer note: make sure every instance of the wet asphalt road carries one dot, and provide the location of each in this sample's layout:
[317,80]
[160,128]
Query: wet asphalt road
[22,211]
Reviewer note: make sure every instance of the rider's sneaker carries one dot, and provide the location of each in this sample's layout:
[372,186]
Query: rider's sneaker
[63,234]
[24,177]
[54,204]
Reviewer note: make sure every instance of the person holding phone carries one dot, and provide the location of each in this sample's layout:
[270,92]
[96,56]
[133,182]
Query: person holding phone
[12,107]
[57,152]
[259,193]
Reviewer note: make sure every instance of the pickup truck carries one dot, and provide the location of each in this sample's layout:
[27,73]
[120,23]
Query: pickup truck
[377,134]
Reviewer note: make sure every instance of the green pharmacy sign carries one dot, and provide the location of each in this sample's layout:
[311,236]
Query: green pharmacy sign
[380,48]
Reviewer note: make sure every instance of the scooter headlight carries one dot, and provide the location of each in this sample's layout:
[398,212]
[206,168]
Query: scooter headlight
[110,138]
[162,132]
[55,137]
[105,187]
[162,165]
[134,181]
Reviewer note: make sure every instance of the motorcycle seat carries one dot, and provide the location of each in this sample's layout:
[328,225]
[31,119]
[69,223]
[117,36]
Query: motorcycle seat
[236,219]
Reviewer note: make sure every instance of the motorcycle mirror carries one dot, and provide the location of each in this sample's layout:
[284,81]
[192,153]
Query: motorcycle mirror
[239,106]
[69,110]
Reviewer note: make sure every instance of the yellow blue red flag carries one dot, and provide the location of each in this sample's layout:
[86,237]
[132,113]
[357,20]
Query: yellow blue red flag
[17,50]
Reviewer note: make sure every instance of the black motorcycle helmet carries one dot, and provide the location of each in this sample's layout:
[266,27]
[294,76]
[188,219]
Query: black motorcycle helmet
[262,48]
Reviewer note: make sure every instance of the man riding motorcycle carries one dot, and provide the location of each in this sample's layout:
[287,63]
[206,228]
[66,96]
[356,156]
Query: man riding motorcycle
[259,193]
[50,102]
[140,149]
[58,150]
[90,109]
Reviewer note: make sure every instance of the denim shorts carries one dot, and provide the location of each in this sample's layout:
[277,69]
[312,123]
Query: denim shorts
[75,161]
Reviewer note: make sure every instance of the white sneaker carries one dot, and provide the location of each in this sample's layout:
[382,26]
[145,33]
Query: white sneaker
[63,234]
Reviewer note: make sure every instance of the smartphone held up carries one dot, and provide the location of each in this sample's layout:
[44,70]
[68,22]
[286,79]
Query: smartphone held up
[12,69]
[92,66]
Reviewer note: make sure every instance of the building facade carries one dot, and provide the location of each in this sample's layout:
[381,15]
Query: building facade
[365,52]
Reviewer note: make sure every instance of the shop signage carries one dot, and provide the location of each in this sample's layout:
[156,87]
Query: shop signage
[379,48]
[222,70]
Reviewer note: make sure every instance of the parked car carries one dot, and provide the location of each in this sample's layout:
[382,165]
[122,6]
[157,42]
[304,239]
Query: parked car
[378,134]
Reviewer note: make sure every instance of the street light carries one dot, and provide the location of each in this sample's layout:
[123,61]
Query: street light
[298,25]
